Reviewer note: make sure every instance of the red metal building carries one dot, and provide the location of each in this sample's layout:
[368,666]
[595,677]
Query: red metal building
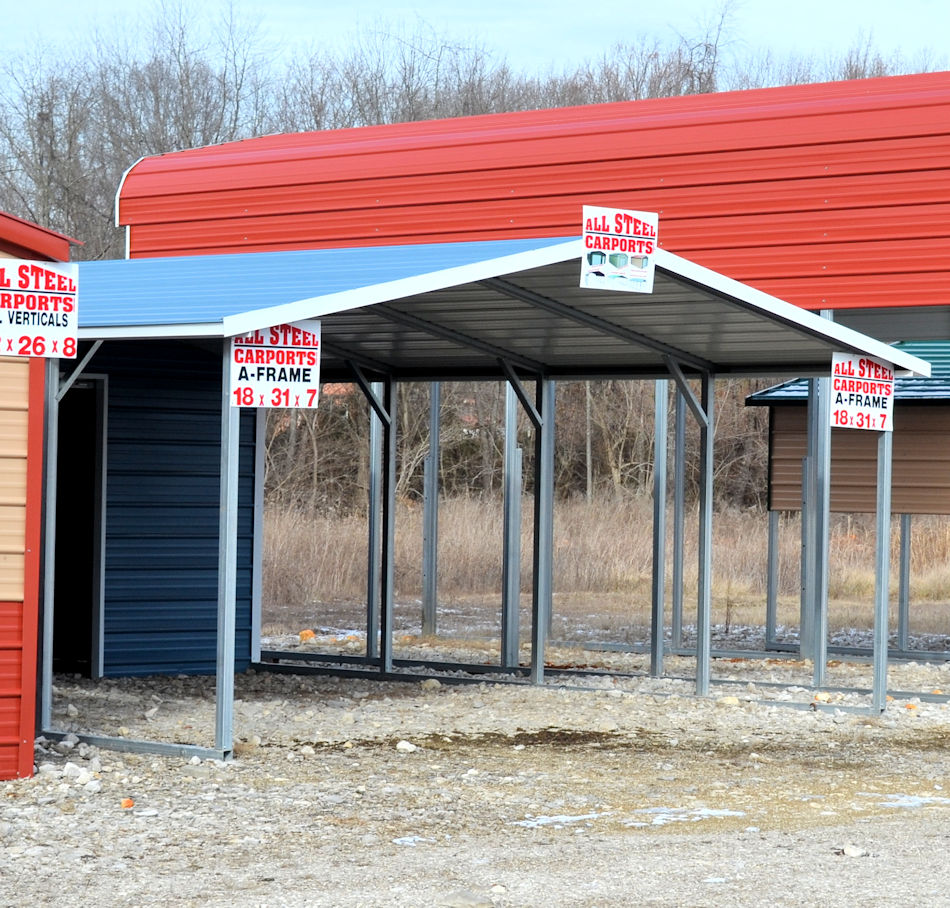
[829,196]
[22,388]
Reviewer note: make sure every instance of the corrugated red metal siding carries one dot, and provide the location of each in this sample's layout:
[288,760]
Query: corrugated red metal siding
[24,240]
[19,619]
[833,195]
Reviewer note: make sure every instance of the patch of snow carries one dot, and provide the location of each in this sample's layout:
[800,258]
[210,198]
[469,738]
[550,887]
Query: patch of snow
[910,801]
[663,815]
[556,821]
[411,840]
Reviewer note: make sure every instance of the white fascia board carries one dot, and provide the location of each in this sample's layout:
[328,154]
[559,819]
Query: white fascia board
[842,338]
[150,332]
[118,193]
[318,306]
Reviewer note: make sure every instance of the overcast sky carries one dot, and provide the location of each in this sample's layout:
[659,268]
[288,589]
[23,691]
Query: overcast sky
[538,37]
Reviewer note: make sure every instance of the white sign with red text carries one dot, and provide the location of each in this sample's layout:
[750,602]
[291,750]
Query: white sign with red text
[862,393]
[619,247]
[39,306]
[277,367]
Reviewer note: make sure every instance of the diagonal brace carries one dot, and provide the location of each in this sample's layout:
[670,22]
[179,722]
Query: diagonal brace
[370,394]
[686,391]
[521,394]
[74,375]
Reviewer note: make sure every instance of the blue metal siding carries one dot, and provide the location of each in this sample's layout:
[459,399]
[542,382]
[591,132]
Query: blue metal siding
[162,503]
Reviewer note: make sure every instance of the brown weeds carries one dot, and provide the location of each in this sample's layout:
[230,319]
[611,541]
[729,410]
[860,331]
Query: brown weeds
[602,549]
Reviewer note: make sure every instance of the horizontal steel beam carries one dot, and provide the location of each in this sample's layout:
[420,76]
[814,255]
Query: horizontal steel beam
[555,307]
[458,337]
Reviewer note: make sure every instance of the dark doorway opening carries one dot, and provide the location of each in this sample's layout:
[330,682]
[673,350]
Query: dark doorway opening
[79,504]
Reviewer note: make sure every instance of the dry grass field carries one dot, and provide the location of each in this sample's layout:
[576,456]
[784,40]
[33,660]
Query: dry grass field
[315,572]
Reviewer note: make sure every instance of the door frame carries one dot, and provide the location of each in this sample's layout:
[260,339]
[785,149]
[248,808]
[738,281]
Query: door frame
[99,382]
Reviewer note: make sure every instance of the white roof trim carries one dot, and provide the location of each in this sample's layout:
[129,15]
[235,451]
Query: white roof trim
[154,332]
[118,193]
[845,338]
[318,306]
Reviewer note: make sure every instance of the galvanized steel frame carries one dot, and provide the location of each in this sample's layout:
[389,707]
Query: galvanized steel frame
[660,426]
[430,517]
[227,562]
[541,413]
[511,542]
[679,508]
[704,584]
[56,389]
[885,446]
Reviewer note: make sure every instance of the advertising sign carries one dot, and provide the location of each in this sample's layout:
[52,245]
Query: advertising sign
[619,249]
[38,308]
[862,393]
[277,367]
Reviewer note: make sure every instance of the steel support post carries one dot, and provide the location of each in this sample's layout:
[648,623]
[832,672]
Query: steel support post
[511,544]
[227,561]
[704,594]
[882,569]
[679,509]
[49,541]
[822,529]
[806,629]
[374,526]
[430,516]
[771,582]
[903,595]
[543,528]
[660,425]
[388,571]
[260,451]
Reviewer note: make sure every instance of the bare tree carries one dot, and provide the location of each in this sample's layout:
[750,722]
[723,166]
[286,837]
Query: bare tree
[70,126]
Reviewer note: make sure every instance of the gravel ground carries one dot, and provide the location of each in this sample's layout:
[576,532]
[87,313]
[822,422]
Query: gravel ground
[590,790]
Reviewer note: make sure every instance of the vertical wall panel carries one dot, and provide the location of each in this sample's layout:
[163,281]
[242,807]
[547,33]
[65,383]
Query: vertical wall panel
[921,461]
[21,435]
[162,508]
[22,417]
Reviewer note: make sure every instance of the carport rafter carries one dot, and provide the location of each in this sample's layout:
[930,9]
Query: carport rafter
[450,334]
[555,307]
[352,356]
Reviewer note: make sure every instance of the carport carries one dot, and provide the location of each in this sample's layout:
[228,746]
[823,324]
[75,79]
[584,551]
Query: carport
[508,309]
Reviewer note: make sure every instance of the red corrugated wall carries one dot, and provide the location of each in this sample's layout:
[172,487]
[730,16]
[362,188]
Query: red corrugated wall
[833,195]
[21,516]
[19,619]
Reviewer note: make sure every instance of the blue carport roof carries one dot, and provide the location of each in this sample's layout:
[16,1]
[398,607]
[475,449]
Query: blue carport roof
[192,291]
[462,308]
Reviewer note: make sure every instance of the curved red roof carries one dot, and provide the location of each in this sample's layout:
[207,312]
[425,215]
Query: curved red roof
[834,195]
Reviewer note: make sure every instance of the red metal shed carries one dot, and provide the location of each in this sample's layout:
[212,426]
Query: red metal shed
[22,399]
[829,196]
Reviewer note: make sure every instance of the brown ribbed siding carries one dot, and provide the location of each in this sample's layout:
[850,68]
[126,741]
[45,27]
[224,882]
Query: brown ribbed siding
[921,462]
